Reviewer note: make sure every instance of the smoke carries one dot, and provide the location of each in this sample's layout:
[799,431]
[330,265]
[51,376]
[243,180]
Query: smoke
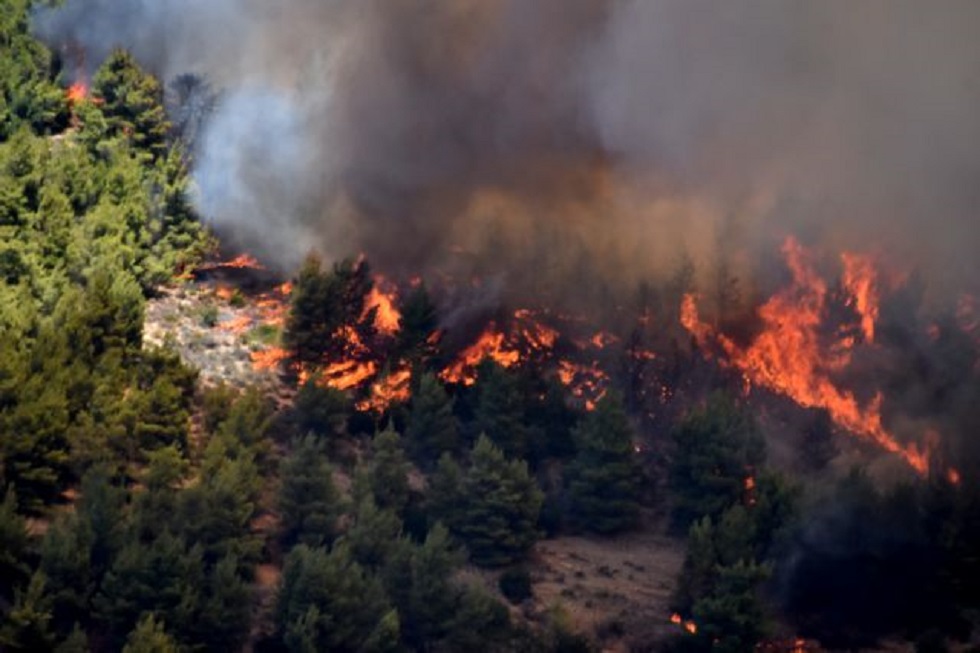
[555,140]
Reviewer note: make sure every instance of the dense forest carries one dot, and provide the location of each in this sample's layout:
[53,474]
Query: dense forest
[141,508]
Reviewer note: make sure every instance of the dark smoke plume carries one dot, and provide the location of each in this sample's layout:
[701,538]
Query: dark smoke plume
[528,139]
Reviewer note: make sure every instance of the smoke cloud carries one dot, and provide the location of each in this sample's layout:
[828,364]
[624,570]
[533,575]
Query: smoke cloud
[548,141]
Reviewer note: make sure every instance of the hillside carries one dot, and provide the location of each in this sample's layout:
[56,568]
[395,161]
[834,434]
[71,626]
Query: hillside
[416,359]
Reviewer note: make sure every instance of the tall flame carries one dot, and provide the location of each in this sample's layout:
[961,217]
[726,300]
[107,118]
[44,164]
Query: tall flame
[387,319]
[860,281]
[787,356]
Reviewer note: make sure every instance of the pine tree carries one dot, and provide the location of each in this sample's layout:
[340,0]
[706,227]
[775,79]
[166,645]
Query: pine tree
[66,552]
[323,305]
[328,602]
[373,534]
[163,577]
[33,448]
[444,498]
[716,448]
[223,618]
[426,595]
[14,546]
[500,411]
[431,429]
[27,627]
[215,513]
[76,642]
[731,618]
[321,411]
[132,102]
[603,479]
[28,95]
[149,636]
[480,622]
[389,472]
[500,503]
[308,500]
[419,321]
[698,575]
[311,321]
[156,508]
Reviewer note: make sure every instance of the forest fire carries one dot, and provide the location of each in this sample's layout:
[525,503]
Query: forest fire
[529,341]
[382,298]
[393,388]
[348,374]
[787,356]
[491,345]
[585,382]
[77,92]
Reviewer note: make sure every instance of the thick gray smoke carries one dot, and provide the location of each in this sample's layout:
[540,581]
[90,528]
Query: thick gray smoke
[526,137]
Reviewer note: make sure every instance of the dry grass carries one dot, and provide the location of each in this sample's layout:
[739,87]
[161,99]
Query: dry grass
[616,590]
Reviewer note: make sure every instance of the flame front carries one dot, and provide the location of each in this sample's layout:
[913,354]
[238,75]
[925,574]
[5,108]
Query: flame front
[787,356]
[491,345]
[393,388]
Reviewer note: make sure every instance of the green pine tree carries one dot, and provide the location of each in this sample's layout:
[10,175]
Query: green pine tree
[716,448]
[309,503]
[500,411]
[603,480]
[499,507]
[132,102]
[388,472]
[329,603]
[14,546]
[431,429]
[149,636]
[27,626]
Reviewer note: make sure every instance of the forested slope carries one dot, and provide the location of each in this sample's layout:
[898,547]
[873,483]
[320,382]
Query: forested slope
[146,510]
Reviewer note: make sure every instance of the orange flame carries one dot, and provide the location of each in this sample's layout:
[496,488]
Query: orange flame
[787,357]
[239,262]
[77,92]
[490,344]
[538,336]
[348,374]
[269,359]
[243,261]
[602,339]
[585,382]
[388,319]
[239,324]
[392,389]
[860,281]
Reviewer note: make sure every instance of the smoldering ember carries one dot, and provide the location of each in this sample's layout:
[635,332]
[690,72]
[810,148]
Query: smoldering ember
[506,325]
